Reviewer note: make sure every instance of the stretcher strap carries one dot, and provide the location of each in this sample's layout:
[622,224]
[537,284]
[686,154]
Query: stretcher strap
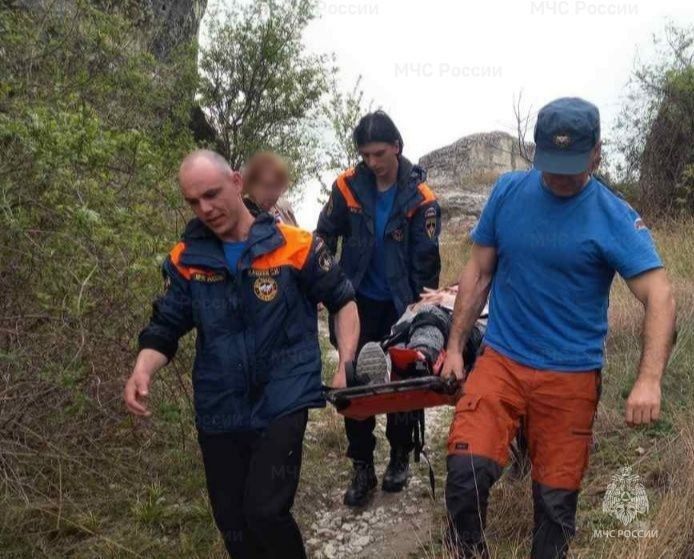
[419,442]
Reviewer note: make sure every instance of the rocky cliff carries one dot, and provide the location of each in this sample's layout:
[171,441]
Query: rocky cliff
[161,25]
[462,173]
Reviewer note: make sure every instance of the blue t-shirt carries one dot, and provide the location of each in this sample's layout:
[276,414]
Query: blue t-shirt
[232,253]
[374,285]
[556,261]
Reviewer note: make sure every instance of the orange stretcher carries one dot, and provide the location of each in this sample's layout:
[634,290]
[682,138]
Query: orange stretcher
[413,386]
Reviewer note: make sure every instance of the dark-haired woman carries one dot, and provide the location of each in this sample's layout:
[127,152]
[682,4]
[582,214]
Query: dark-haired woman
[389,222]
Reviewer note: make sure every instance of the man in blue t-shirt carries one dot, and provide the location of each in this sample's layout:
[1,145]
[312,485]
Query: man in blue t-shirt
[547,246]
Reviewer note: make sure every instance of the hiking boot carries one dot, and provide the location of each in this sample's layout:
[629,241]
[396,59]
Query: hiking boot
[398,471]
[372,364]
[363,483]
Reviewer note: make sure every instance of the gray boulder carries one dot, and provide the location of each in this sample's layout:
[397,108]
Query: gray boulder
[463,173]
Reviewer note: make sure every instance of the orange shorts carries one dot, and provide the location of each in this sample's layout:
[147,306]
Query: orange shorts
[558,407]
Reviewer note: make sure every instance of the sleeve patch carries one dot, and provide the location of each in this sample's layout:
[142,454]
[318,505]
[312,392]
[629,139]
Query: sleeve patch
[430,222]
[325,260]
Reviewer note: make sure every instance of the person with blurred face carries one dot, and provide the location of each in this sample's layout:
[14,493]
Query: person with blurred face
[266,180]
[389,222]
[547,245]
[249,286]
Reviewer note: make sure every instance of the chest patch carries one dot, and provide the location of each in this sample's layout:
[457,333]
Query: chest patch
[397,235]
[263,272]
[206,277]
[265,288]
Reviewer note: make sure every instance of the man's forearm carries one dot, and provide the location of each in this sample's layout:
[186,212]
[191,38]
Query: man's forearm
[658,335]
[473,290]
[347,331]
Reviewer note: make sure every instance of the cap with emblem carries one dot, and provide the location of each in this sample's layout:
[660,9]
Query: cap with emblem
[566,132]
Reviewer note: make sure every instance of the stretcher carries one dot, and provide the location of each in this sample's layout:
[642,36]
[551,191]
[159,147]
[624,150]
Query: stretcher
[413,385]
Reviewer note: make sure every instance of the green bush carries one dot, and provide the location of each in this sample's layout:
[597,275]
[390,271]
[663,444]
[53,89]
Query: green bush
[92,128]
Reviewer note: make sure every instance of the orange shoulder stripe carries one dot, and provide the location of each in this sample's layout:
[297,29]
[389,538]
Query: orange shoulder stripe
[427,192]
[186,271]
[428,195]
[294,252]
[345,190]
[175,256]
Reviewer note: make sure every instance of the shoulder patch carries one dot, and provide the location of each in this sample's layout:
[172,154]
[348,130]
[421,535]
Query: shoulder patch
[325,261]
[323,256]
[430,222]
[639,224]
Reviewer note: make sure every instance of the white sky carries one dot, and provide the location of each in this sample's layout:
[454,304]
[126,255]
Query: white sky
[443,69]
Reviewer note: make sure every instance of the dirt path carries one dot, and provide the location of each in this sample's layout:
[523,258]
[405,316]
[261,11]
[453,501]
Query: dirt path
[398,525]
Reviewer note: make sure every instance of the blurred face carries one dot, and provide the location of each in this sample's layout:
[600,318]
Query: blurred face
[571,184]
[380,157]
[565,183]
[213,194]
[267,189]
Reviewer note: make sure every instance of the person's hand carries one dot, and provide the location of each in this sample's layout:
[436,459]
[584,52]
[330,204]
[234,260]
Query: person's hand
[136,391]
[340,377]
[453,366]
[431,296]
[643,404]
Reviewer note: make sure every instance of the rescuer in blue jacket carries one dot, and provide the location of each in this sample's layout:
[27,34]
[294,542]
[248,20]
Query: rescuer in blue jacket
[250,287]
[389,222]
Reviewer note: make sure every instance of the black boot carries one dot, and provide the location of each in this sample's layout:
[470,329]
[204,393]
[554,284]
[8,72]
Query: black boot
[398,470]
[363,483]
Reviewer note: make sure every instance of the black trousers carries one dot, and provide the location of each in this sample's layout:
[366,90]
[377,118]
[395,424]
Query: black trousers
[470,479]
[376,319]
[252,478]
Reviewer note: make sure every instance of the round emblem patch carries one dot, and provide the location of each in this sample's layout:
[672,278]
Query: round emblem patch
[265,288]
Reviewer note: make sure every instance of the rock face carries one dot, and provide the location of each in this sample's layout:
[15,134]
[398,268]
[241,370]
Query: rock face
[462,173]
[177,22]
[162,24]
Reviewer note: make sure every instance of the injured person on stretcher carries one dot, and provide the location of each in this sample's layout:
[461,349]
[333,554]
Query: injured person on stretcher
[417,341]
[401,372]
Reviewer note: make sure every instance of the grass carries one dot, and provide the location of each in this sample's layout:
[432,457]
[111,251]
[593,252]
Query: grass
[139,490]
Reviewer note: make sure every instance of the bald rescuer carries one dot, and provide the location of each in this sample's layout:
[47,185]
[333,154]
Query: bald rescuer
[250,287]
[548,244]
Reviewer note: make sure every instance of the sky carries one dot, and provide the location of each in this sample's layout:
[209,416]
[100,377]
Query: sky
[444,69]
